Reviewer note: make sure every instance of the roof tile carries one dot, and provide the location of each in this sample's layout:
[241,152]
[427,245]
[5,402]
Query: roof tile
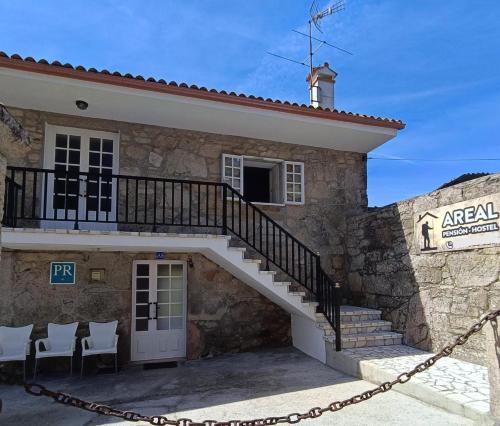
[395,123]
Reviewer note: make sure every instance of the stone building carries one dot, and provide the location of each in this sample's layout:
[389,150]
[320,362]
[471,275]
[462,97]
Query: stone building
[204,221]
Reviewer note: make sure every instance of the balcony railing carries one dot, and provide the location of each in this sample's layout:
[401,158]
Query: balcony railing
[61,198]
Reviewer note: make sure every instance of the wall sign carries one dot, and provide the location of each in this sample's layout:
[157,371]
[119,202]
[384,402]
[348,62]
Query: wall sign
[458,226]
[62,272]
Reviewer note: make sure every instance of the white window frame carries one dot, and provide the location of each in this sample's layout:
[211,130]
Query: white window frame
[230,179]
[285,182]
[49,147]
[283,164]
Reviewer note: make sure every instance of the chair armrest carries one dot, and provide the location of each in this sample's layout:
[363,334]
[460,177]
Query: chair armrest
[86,340]
[73,344]
[45,342]
[1,350]
[116,341]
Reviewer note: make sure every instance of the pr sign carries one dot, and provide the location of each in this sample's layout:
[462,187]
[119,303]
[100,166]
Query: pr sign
[62,273]
[458,226]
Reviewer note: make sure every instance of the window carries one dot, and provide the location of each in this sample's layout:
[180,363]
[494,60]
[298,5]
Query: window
[100,162]
[294,178]
[263,180]
[67,166]
[232,171]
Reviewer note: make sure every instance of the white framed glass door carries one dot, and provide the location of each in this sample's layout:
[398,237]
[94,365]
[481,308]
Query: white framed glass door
[158,310]
[70,195]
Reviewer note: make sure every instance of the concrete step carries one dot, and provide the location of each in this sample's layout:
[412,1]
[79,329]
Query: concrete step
[356,314]
[362,327]
[256,261]
[283,283]
[362,340]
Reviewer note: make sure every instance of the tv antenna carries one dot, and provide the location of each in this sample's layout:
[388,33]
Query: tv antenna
[315,19]
[316,16]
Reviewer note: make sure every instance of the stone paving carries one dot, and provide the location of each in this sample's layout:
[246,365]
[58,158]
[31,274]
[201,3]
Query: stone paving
[246,385]
[457,381]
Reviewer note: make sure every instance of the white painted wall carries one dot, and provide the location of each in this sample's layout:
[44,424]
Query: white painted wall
[308,338]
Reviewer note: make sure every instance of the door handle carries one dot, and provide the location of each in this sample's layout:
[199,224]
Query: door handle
[156,310]
[149,310]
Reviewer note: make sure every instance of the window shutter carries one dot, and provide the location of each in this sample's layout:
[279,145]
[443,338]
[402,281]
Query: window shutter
[232,171]
[294,182]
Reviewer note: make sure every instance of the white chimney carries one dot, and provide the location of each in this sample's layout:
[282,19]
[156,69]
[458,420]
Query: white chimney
[322,91]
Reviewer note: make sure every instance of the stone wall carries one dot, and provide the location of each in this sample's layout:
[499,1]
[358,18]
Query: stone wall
[13,142]
[429,297]
[335,181]
[224,315]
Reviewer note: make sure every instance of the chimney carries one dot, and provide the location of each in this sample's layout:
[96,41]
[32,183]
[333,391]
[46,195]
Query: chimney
[323,80]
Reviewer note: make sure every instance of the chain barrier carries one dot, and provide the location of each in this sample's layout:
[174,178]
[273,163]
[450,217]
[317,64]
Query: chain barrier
[66,399]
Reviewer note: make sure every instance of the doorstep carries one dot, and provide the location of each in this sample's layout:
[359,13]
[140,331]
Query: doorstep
[457,386]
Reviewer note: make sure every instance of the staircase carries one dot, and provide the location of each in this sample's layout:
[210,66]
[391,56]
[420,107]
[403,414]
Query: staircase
[361,327]
[282,268]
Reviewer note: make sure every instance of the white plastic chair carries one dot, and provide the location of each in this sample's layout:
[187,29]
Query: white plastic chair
[15,344]
[102,340]
[59,343]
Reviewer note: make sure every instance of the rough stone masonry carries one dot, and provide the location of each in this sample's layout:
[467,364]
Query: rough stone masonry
[430,297]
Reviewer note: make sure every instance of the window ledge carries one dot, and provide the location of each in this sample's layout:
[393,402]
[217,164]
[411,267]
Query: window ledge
[258,203]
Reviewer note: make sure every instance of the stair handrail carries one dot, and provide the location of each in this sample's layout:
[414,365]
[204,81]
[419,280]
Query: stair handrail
[320,284]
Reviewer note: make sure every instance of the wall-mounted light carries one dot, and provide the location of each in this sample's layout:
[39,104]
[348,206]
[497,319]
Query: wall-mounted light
[81,104]
[97,275]
[190,262]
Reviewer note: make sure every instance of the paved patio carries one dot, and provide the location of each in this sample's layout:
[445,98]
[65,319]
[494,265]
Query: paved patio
[457,386]
[244,386]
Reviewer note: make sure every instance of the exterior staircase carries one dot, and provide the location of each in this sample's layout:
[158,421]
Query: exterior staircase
[361,327]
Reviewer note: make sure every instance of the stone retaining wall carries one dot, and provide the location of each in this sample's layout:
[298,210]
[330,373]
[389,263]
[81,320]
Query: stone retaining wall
[224,314]
[429,297]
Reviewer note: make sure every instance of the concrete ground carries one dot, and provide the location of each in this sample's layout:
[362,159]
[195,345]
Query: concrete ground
[240,386]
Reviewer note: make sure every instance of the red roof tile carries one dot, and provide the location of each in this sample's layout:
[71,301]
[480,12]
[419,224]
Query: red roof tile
[182,89]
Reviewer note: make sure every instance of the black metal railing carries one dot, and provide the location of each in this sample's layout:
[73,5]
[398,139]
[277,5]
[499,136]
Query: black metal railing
[44,198]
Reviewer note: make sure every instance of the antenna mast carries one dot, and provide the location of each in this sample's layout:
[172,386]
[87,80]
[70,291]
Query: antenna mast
[316,17]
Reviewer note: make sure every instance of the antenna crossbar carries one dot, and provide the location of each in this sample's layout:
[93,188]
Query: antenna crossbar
[288,59]
[324,42]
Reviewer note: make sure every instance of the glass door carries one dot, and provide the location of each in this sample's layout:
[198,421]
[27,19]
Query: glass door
[158,310]
[90,198]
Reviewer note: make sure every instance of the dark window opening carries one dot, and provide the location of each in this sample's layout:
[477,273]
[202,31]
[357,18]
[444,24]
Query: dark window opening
[257,184]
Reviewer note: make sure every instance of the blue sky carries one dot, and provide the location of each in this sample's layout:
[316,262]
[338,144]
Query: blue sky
[435,65]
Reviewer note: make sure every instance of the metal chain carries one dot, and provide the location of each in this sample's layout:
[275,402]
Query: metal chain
[66,399]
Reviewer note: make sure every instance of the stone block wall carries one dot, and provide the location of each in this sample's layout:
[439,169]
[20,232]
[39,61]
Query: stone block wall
[431,297]
[224,314]
[335,181]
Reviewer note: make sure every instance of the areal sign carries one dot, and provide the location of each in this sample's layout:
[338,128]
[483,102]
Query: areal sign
[458,226]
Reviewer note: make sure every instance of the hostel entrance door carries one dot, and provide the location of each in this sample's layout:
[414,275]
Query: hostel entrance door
[158,310]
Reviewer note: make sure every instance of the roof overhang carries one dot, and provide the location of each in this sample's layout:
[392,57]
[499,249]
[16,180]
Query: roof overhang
[40,87]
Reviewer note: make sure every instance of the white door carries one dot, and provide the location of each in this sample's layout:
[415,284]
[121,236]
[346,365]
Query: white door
[158,310]
[90,198]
